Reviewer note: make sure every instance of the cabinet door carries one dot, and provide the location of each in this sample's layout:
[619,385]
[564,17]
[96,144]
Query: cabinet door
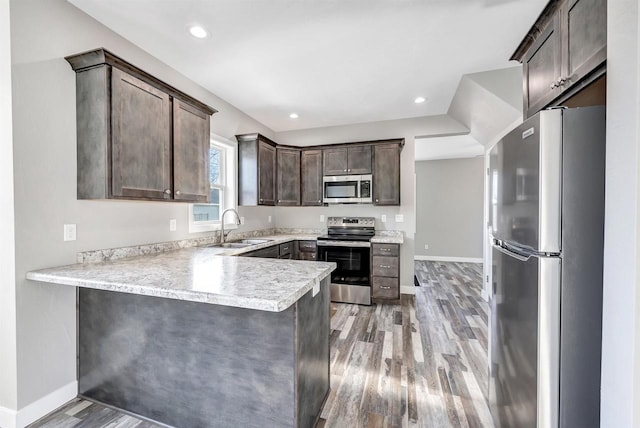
[190,153]
[586,38]
[386,174]
[542,68]
[359,160]
[266,174]
[288,177]
[311,175]
[335,161]
[141,139]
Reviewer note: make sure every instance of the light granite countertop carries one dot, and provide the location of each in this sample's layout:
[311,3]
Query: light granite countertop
[388,237]
[200,274]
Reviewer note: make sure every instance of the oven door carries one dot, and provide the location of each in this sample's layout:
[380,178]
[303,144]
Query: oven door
[351,281]
[341,189]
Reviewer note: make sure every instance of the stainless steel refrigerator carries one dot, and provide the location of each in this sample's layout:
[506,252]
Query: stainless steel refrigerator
[547,222]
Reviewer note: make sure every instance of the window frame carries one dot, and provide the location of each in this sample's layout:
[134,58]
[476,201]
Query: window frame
[227,186]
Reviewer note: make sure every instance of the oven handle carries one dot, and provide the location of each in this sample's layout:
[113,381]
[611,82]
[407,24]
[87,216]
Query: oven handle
[359,244]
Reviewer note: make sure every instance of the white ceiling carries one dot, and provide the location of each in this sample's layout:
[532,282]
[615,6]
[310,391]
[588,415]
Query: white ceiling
[333,62]
[458,146]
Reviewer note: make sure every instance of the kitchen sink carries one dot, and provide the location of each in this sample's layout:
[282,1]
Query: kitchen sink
[240,244]
[230,245]
[254,241]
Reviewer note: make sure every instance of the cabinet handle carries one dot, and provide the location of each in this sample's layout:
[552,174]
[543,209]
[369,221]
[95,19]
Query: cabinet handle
[167,191]
[385,249]
[349,170]
[376,200]
[178,193]
[319,201]
[385,287]
[345,170]
[385,267]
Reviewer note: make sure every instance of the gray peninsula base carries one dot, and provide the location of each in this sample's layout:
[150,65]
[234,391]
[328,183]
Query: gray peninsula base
[189,364]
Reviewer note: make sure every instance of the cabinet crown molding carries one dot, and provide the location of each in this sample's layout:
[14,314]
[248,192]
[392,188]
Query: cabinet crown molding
[101,56]
[538,27]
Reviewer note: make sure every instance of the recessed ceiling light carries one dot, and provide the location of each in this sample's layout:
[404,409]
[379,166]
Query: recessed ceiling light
[293,115]
[198,32]
[419,100]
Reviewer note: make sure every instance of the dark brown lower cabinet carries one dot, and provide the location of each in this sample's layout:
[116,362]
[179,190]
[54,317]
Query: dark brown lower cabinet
[306,250]
[385,271]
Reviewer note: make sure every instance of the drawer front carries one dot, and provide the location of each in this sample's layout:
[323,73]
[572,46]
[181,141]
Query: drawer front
[385,266]
[386,288]
[392,250]
[286,249]
[307,246]
[306,255]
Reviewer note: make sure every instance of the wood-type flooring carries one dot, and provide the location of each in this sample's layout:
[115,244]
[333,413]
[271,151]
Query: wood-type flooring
[421,362]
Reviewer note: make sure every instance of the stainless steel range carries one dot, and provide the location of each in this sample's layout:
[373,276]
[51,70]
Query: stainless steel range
[348,244]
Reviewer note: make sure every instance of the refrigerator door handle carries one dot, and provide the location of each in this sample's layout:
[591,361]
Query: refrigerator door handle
[508,252]
[549,277]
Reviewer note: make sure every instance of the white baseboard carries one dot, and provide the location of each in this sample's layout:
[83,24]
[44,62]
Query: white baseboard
[7,418]
[34,411]
[448,259]
[407,289]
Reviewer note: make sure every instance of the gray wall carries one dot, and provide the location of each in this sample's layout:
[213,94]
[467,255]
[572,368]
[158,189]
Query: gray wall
[8,355]
[404,128]
[42,33]
[620,404]
[449,206]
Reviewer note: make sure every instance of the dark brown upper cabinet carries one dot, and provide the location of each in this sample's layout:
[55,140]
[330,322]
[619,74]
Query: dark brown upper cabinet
[137,137]
[256,170]
[386,174]
[311,177]
[347,160]
[564,52]
[288,172]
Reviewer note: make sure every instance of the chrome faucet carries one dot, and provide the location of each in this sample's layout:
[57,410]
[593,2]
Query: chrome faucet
[222,222]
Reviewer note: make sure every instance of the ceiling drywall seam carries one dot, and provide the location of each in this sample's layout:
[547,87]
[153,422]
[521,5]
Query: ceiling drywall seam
[8,344]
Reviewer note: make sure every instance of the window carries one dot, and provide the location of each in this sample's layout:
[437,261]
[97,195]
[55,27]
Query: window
[222,172]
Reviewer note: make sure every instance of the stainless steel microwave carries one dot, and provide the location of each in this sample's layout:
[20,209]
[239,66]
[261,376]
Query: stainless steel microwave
[347,189]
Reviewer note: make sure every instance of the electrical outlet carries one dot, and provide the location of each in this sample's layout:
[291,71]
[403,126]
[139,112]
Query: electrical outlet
[172,225]
[399,218]
[241,220]
[383,218]
[69,232]
[321,218]
[269,220]
[426,246]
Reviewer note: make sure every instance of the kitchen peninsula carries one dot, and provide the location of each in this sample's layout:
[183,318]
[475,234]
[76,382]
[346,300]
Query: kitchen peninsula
[195,338]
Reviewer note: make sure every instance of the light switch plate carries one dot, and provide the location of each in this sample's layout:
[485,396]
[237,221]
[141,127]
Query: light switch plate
[241,220]
[269,219]
[69,232]
[321,218]
[383,218]
[399,218]
[172,225]
[426,246]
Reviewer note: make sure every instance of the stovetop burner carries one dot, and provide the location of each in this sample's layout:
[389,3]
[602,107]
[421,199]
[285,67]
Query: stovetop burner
[349,229]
